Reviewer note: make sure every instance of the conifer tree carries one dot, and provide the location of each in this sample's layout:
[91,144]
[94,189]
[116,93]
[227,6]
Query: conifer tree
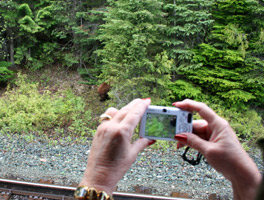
[9,28]
[224,63]
[6,36]
[90,18]
[188,24]
[24,41]
[134,62]
[77,22]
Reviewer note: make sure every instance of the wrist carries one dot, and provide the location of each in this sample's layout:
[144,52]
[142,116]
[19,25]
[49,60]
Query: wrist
[108,189]
[245,178]
[86,193]
[246,187]
[98,179]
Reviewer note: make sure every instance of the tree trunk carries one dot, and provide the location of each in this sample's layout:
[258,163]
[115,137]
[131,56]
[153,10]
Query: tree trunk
[80,47]
[5,50]
[12,60]
[11,46]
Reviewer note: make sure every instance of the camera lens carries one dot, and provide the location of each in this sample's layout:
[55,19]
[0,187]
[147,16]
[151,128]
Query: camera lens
[164,110]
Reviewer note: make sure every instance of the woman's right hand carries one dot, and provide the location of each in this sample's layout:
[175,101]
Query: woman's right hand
[216,140]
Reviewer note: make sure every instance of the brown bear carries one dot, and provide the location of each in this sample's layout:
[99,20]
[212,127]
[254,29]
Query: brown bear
[103,90]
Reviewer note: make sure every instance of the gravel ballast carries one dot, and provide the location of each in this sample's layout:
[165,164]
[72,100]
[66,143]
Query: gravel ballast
[157,172]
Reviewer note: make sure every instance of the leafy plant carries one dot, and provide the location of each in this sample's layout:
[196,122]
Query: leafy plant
[5,73]
[246,122]
[24,109]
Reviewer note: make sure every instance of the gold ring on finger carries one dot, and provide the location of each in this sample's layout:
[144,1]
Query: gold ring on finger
[105,117]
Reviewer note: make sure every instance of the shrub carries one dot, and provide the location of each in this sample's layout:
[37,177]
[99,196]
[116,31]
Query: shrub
[5,73]
[25,109]
[246,122]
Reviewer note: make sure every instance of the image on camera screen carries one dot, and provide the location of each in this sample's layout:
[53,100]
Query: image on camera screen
[162,126]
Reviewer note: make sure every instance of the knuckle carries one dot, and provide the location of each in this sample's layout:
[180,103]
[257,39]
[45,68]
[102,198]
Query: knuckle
[102,129]
[209,152]
[203,105]
[136,113]
[123,129]
[110,110]
[112,130]
[124,110]
[105,129]
[192,142]
[187,100]
[212,152]
[224,123]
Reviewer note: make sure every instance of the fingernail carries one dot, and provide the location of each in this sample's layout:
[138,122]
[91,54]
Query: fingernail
[180,145]
[181,138]
[148,98]
[175,103]
[147,101]
[151,142]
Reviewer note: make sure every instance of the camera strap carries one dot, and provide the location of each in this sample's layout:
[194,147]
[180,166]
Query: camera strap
[192,161]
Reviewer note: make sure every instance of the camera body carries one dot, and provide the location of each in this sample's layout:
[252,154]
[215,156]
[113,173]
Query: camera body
[163,123]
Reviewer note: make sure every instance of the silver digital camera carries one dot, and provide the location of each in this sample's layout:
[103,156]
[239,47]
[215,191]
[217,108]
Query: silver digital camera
[163,123]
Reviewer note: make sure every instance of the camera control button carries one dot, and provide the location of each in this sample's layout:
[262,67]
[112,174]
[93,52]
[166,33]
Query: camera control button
[184,128]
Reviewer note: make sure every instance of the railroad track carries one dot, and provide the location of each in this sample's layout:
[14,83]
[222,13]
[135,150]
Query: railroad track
[37,191]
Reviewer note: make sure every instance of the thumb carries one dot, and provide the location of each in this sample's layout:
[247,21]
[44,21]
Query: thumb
[141,144]
[193,141]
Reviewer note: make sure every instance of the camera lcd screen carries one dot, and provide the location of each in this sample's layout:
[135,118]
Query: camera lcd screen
[160,125]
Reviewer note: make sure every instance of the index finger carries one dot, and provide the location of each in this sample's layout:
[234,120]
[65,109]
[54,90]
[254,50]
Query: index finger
[136,112]
[125,110]
[204,111]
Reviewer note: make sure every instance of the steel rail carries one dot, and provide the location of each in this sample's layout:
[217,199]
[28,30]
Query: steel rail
[14,187]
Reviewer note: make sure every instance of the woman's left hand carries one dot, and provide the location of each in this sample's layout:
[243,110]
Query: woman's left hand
[112,152]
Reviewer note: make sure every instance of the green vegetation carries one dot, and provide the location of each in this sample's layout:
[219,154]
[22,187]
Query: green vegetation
[169,50]
[160,126]
[25,110]
[133,61]
[5,73]
[154,128]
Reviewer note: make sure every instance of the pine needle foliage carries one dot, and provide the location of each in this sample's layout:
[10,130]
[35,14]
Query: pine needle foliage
[5,73]
[188,24]
[133,61]
[210,51]
[221,64]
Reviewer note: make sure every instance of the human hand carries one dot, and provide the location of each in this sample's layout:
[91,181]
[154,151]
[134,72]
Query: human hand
[112,152]
[216,140]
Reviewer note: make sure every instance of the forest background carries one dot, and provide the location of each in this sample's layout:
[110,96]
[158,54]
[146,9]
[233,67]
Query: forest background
[207,50]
